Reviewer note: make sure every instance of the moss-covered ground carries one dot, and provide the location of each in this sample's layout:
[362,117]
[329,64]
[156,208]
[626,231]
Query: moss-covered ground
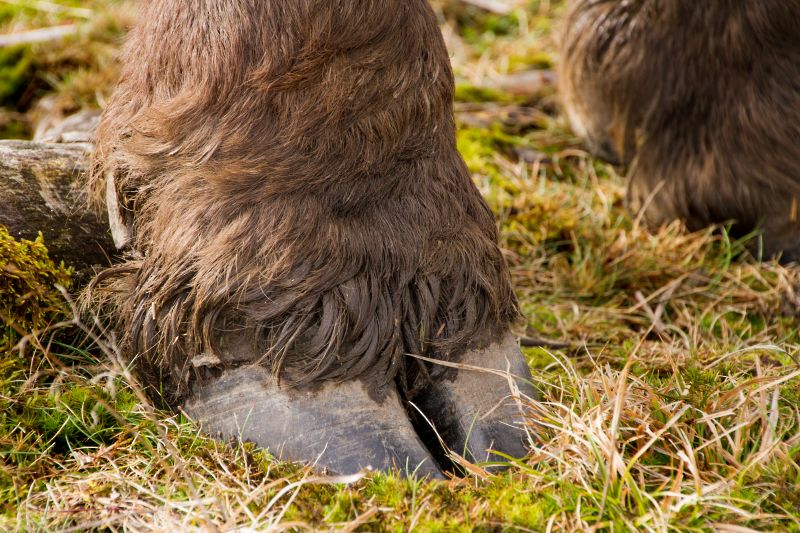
[674,407]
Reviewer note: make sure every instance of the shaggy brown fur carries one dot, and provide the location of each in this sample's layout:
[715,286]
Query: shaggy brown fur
[292,179]
[703,98]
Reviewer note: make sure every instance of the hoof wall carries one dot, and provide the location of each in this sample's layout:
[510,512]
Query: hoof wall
[338,427]
[480,414]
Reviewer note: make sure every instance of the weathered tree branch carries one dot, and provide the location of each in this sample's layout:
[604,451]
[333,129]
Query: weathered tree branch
[40,35]
[493,6]
[42,189]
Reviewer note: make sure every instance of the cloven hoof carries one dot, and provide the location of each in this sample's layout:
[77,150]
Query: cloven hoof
[338,427]
[479,410]
[476,410]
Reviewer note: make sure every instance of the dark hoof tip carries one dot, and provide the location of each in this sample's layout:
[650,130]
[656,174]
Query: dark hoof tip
[480,413]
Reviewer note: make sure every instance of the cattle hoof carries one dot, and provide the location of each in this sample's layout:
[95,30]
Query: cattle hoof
[339,427]
[479,413]
[791,254]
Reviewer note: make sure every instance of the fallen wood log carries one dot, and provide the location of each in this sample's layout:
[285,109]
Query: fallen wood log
[42,190]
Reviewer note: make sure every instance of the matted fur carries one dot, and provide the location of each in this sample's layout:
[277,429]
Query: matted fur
[702,98]
[295,192]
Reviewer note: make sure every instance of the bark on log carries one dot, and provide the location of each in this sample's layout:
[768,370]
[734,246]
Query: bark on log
[41,189]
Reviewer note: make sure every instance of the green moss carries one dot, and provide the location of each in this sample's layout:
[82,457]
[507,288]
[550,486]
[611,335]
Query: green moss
[535,60]
[479,147]
[481,29]
[30,302]
[15,130]
[7,13]
[29,297]
[466,92]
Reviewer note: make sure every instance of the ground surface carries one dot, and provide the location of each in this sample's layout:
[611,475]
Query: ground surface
[676,405]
